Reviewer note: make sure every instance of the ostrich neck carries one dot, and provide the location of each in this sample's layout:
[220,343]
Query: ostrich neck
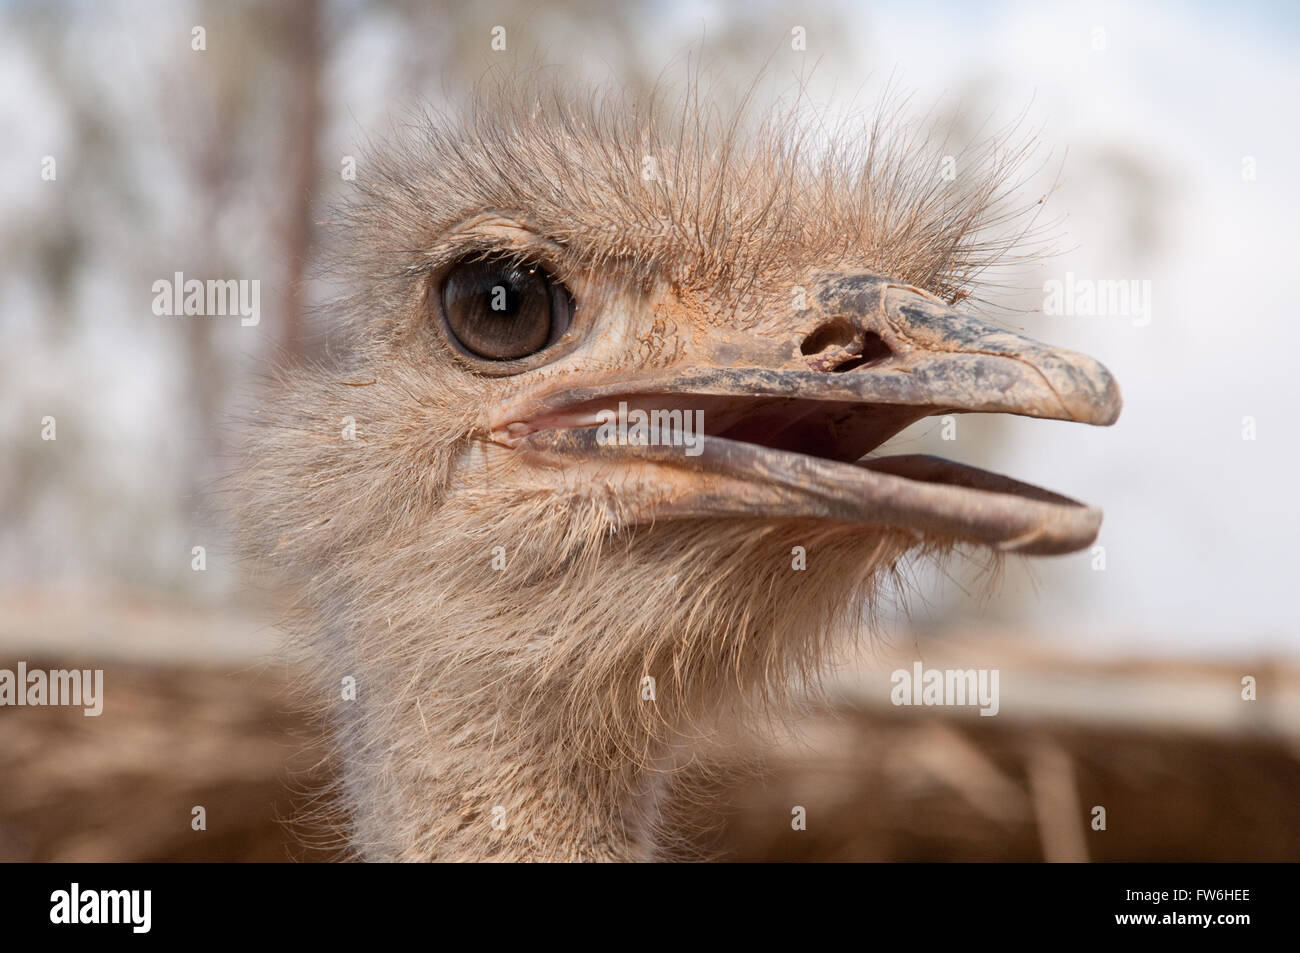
[459,768]
[541,713]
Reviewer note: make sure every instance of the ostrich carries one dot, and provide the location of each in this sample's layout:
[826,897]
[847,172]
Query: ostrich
[522,625]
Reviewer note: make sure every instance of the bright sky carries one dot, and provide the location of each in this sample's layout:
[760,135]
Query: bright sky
[1201,525]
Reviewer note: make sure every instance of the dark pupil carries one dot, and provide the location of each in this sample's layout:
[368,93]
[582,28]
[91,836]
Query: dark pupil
[498,310]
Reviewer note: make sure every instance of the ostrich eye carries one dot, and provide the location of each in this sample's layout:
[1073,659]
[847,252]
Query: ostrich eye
[501,309]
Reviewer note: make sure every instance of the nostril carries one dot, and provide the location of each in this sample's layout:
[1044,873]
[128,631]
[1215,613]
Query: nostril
[839,345]
[838,332]
[874,349]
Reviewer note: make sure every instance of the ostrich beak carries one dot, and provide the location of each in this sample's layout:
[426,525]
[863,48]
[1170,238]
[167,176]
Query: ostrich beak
[782,421]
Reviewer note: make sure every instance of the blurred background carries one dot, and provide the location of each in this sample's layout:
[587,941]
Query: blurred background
[143,139]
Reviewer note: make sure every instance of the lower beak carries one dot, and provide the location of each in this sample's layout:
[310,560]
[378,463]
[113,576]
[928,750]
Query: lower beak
[871,357]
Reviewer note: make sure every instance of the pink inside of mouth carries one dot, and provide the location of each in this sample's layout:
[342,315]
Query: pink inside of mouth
[830,430]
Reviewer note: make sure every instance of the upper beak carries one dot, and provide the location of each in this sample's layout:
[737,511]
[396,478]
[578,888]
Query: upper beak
[944,357]
[786,419]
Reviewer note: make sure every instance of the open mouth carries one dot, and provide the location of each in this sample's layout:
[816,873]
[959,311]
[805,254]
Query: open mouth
[795,441]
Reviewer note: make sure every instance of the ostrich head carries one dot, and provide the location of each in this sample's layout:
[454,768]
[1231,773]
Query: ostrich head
[592,477]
